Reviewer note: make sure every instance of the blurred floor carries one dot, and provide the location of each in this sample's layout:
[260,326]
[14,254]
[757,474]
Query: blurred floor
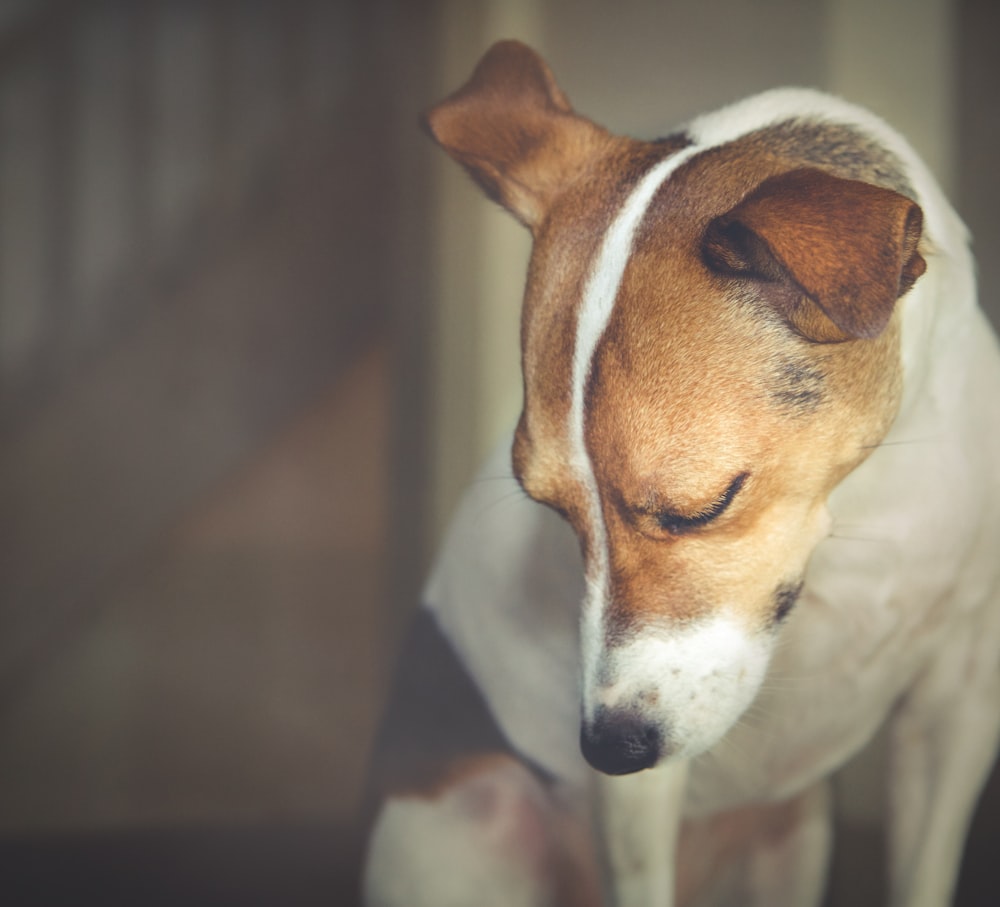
[211,724]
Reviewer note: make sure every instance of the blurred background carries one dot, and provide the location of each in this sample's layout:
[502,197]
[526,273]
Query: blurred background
[255,333]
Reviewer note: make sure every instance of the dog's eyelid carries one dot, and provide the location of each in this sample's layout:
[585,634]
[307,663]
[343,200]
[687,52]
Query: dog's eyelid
[679,524]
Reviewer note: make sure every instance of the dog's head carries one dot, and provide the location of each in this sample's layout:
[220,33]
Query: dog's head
[709,345]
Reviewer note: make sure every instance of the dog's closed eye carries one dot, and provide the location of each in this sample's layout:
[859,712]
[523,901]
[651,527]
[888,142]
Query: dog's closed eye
[681,523]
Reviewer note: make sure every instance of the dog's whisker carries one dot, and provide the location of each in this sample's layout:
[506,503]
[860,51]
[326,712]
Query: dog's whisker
[759,711]
[515,494]
[780,685]
[842,537]
[901,442]
[499,477]
[732,746]
[857,532]
[722,752]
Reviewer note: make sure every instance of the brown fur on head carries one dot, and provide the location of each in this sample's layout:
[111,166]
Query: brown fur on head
[749,360]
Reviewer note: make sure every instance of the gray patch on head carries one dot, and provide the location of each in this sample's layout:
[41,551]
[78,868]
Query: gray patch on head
[798,386]
[673,143]
[842,149]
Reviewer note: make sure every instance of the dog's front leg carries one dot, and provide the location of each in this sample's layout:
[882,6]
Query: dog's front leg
[942,744]
[638,821]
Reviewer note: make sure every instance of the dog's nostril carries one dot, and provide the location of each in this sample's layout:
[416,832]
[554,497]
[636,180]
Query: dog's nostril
[620,742]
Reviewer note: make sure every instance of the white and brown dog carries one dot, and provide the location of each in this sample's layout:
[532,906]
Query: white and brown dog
[758,389]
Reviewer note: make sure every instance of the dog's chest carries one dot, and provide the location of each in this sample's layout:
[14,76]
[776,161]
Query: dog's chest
[838,674]
[798,731]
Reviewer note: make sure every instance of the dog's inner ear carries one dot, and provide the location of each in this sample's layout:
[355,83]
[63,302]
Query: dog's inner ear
[832,255]
[514,131]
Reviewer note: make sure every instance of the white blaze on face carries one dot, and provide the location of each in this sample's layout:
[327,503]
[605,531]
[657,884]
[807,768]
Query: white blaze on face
[595,312]
[692,681]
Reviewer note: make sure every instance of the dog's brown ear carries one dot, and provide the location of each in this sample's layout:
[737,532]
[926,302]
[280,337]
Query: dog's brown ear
[512,128]
[832,254]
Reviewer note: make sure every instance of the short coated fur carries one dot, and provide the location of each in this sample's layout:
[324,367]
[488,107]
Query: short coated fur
[736,341]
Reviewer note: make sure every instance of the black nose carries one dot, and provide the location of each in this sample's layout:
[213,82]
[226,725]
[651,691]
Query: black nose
[619,742]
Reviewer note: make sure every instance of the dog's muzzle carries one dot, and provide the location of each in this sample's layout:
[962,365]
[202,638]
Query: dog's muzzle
[619,742]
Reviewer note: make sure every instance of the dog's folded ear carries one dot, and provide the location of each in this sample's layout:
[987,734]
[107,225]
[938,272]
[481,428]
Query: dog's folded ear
[832,254]
[513,130]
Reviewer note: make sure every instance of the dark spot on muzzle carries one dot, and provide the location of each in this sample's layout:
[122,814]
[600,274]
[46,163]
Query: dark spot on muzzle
[785,597]
[619,742]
